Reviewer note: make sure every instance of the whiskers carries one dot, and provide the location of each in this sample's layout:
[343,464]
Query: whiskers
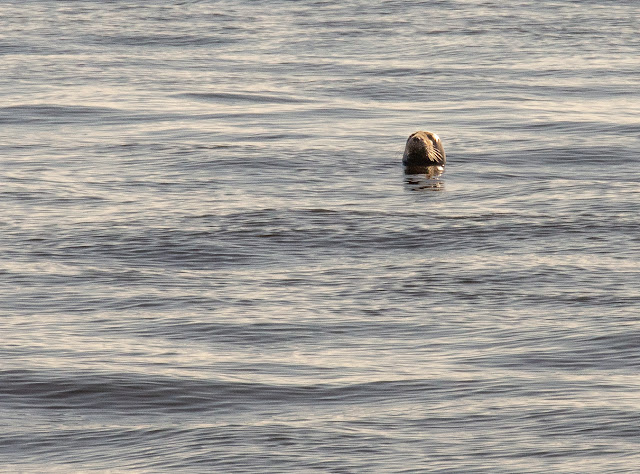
[436,155]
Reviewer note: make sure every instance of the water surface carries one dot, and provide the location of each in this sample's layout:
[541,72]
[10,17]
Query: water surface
[212,259]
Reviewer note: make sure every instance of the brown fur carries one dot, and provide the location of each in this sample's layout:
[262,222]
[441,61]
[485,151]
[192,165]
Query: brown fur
[424,149]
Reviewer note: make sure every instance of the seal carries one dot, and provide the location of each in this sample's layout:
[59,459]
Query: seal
[423,149]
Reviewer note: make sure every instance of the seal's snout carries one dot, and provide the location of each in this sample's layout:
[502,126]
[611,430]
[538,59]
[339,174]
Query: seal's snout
[424,149]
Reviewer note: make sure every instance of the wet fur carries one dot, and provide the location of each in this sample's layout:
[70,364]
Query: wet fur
[424,149]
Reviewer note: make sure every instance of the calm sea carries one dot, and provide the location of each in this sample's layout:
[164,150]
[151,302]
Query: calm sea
[212,259]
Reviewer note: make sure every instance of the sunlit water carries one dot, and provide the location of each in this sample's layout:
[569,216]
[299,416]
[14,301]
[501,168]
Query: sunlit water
[212,259]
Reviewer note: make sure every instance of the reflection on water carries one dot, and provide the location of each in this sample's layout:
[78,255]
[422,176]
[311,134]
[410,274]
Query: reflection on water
[420,178]
[214,261]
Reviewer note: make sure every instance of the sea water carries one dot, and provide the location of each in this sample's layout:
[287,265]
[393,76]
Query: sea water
[212,259]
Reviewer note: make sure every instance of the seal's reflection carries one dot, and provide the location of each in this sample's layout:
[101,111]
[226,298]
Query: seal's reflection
[424,178]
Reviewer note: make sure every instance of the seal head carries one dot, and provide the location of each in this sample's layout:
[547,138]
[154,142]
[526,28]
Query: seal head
[423,149]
